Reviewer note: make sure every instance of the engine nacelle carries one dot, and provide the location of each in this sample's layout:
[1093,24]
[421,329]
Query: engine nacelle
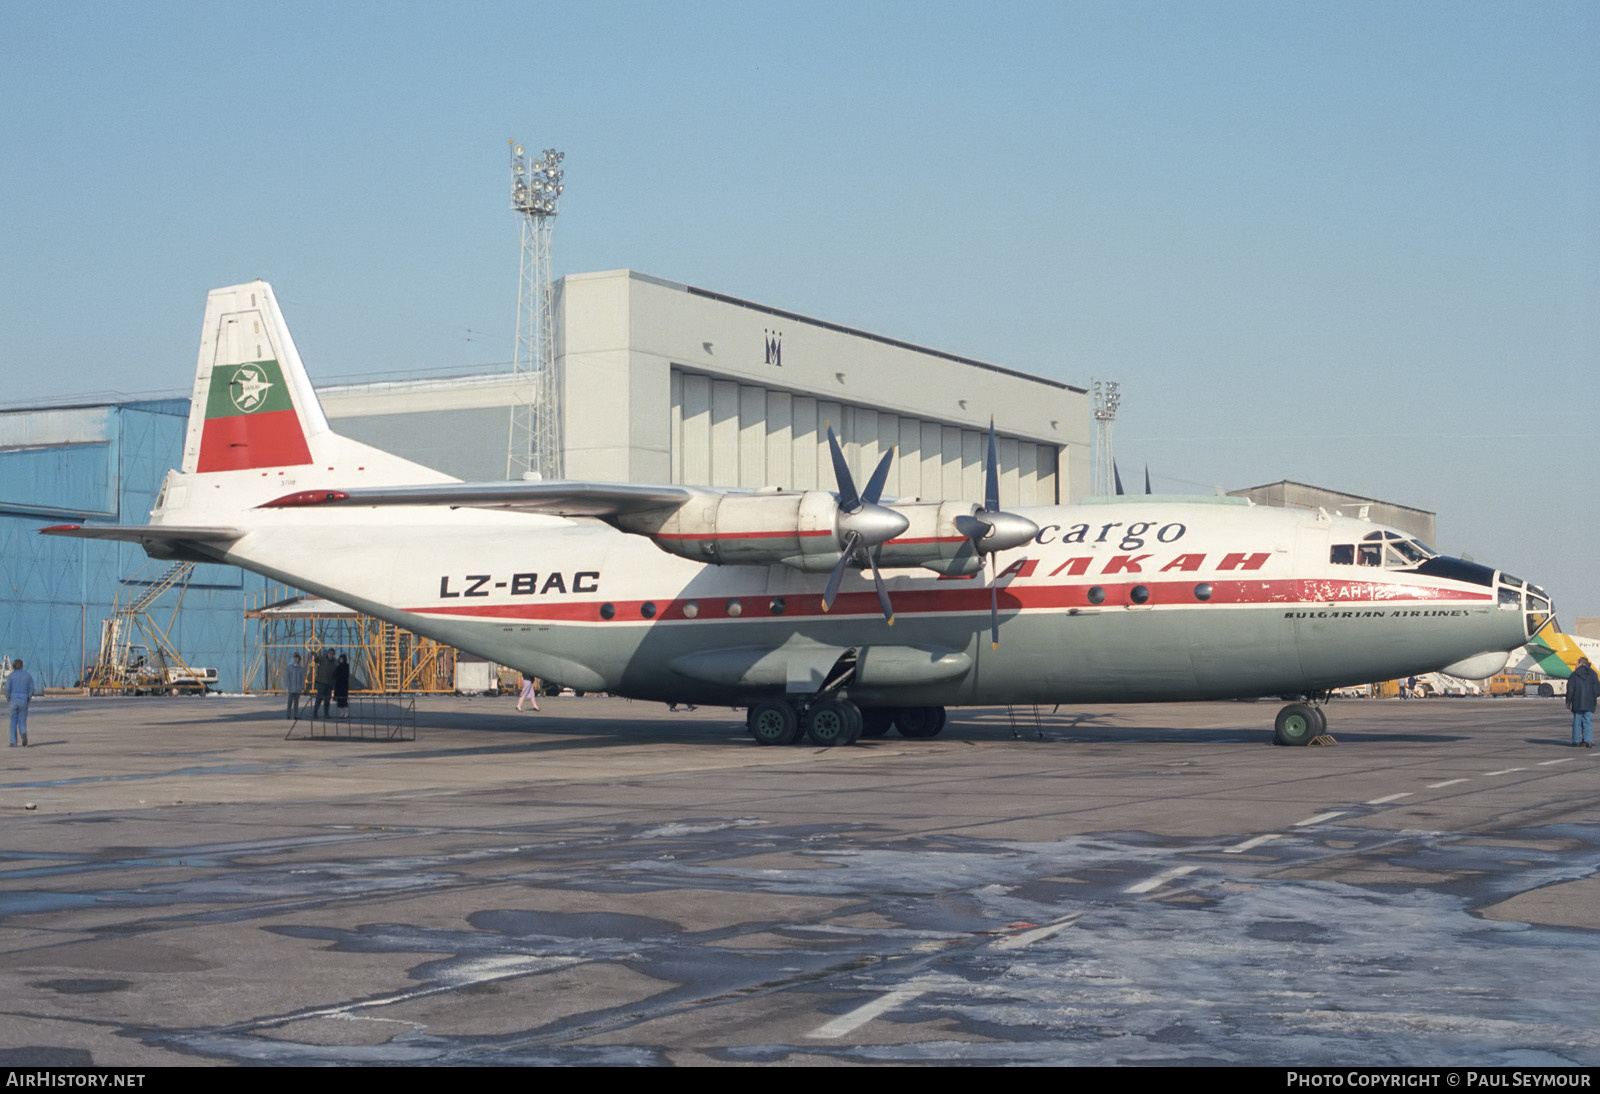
[794,529]
[800,530]
[932,540]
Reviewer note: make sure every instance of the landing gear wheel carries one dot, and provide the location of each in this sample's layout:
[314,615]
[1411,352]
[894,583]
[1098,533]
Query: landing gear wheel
[1297,724]
[1322,721]
[919,723]
[773,722]
[875,722]
[833,722]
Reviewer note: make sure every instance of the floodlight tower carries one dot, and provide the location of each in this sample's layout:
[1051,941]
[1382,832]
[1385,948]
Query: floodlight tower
[1105,400]
[535,445]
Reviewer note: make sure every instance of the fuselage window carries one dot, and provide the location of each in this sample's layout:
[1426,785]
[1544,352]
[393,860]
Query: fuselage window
[1342,554]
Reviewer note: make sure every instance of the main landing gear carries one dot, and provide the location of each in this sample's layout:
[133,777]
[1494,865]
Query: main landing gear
[1299,724]
[830,722]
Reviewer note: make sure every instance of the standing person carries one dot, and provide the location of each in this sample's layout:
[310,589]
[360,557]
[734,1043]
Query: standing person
[529,692]
[323,677]
[20,689]
[294,683]
[341,686]
[1582,688]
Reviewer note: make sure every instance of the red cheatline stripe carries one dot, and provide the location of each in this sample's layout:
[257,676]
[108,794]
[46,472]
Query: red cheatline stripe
[1015,597]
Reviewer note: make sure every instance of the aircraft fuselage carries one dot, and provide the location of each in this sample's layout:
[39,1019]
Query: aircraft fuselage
[1126,602]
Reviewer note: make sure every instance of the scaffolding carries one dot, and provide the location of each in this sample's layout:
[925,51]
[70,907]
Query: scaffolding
[137,656]
[384,659]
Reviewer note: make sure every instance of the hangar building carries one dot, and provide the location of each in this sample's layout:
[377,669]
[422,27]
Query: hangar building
[1288,495]
[662,382]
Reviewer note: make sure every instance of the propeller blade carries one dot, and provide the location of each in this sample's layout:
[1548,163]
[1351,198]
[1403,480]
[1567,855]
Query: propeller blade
[974,528]
[849,500]
[851,541]
[991,474]
[994,605]
[883,592]
[880,475]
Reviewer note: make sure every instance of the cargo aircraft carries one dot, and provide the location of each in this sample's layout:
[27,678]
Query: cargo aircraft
[777,600]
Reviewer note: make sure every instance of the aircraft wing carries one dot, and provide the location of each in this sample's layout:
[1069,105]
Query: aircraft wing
[557,498]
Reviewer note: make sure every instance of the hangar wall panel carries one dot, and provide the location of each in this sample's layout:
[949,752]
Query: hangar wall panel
[742,435]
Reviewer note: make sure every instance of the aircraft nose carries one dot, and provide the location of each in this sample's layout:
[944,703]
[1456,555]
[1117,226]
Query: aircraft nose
[1514,594]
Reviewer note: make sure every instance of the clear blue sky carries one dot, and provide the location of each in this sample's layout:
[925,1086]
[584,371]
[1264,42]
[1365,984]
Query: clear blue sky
[1352,244]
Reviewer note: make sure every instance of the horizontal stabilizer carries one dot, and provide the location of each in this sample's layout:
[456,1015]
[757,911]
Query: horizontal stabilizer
[144,533]
[559,498]
[163,541]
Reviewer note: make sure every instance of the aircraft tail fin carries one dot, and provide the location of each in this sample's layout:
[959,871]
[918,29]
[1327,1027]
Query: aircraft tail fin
[254,408]
[1556,654]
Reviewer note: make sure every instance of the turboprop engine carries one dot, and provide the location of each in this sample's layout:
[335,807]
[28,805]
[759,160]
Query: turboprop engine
[807,531]
[816,531]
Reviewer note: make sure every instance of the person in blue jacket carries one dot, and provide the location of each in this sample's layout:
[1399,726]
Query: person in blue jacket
[19,689]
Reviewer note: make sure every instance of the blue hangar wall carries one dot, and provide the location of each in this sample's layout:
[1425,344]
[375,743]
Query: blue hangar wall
[99,464]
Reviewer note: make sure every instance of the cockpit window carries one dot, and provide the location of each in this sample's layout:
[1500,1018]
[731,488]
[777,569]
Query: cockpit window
[1382,548]
[1408,553]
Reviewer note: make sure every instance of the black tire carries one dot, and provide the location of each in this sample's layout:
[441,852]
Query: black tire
[773,722]
[919,723]
[1322,720]
[875,722]
[832,723]
[1297,724]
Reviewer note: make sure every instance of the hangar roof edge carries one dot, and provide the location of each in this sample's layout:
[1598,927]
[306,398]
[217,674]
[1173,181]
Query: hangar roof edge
[839,328]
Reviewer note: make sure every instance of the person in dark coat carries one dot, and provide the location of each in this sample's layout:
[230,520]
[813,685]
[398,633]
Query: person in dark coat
[1582,688]
[324,681]
[341,686]
[294,682]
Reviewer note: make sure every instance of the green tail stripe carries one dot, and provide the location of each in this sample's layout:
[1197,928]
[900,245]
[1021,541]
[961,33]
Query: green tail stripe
[254,387]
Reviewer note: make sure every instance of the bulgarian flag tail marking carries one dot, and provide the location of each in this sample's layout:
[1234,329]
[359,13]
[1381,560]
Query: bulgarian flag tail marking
[250,420]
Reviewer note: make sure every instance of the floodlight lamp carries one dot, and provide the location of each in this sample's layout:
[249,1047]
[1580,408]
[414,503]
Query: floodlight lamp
[517,151]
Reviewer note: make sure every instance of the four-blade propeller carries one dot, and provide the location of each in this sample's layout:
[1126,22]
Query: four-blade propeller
[992,531]
[865,524]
